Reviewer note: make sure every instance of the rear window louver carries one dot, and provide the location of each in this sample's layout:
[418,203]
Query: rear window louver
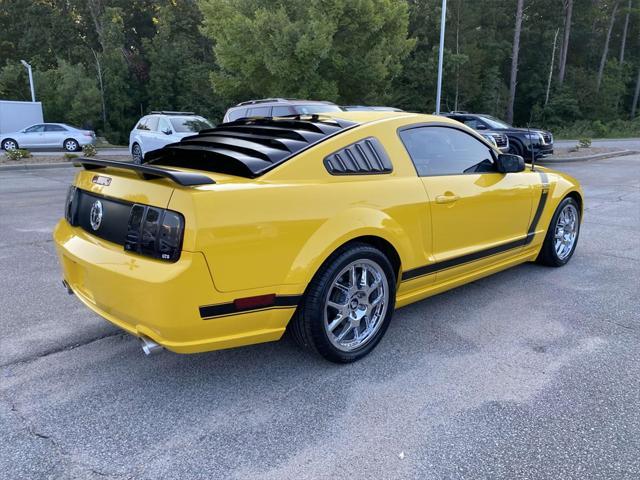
[366,157]
[248,147]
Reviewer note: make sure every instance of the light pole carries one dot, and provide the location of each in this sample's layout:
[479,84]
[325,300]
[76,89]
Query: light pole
[28,67]
[443,21]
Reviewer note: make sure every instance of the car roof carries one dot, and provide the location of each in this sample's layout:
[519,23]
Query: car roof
[279,101]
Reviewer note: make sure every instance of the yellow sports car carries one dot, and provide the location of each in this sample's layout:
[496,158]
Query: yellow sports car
[320,224]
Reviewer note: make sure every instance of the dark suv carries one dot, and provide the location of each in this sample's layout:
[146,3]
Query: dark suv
[521,140]
[278,107]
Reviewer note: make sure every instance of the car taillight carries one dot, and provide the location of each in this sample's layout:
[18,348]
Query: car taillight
[69,205]
[155,232]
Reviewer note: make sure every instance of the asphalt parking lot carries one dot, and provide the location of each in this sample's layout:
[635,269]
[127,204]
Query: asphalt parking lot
[532,373]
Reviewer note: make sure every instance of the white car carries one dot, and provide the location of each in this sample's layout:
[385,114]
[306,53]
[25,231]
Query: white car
[48,135]
[158,129]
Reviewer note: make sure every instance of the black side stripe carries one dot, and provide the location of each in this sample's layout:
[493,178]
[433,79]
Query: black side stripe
[487,252]
[223,309]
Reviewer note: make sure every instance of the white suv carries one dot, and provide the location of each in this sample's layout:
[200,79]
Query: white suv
[158,129]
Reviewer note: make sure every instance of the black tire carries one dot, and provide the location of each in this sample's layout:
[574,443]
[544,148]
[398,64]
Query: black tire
[136,154]
[8,141]
[307,327]
[548,254]
[71,145]
[516,148]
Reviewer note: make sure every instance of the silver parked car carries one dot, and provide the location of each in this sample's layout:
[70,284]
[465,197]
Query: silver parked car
[48,135]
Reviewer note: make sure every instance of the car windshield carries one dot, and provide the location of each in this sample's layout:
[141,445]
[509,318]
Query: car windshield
[320,108]
[494,122]
[189,124]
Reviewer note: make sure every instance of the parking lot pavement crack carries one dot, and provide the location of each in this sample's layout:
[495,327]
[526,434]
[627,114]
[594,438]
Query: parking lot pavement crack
[63,348]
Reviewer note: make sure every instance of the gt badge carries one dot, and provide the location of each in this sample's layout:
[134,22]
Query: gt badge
[95,216]
[101,180]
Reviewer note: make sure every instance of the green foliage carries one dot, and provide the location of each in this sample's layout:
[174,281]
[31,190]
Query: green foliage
[337,50]
[71,156]
[584,142]
[69,94]
[89,150]
[102,64]
[17,154]
[179,59]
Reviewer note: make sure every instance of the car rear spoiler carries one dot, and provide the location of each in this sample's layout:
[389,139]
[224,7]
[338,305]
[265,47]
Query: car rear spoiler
[187,179]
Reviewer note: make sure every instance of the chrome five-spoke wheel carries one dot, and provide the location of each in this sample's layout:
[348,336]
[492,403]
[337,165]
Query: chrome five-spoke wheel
[566,231]
[356,304]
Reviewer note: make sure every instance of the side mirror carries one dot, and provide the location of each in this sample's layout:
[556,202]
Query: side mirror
[167,132]
[507,163]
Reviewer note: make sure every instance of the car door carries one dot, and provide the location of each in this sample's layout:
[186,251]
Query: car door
[149,136]
[478,215]
[33,137]
[55,135]
[165,133]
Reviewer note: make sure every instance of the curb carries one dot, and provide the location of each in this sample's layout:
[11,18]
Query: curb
[34,166]
[598,156]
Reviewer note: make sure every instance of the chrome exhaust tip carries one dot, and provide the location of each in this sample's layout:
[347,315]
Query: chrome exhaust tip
[149,347]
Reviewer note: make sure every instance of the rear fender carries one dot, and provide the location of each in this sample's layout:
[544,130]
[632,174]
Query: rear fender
[341,229]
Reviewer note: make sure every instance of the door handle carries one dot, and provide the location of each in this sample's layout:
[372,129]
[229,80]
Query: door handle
[449,198]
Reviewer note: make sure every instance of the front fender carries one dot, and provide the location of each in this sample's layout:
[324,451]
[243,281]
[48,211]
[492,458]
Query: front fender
[342,228]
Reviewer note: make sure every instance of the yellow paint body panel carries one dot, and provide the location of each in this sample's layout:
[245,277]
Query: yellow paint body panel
[270,235]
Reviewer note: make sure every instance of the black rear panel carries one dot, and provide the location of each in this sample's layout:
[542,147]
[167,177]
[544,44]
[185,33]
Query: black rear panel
[248,147]
[115,216]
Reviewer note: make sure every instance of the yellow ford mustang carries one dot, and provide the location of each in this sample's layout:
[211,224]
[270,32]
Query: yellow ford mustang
[322,224]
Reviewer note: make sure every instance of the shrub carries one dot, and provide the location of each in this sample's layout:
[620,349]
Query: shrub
[70,156]
[89,150]
[584,142]
[17,154]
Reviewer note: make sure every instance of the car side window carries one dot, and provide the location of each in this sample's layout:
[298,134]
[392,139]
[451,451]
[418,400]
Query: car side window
[446,151]
[472,122]
[35,129]
[152,124]
[142,124]
[164,126]
[283,111]
[54,128]
[259,112]
[236,114]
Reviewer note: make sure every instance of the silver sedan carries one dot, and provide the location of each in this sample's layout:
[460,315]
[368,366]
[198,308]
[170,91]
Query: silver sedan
[48,135]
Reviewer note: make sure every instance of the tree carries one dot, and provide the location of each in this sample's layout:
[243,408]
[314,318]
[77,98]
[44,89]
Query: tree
[69,94]
[514,61]
[329,49]
[605,52]
[180,59]
[624,32]
[564,49]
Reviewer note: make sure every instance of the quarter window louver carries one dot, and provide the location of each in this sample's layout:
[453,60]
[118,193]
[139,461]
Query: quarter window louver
[366,157]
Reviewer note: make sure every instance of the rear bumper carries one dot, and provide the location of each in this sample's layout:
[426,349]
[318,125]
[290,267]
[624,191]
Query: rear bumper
[83,140]
[160,300]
